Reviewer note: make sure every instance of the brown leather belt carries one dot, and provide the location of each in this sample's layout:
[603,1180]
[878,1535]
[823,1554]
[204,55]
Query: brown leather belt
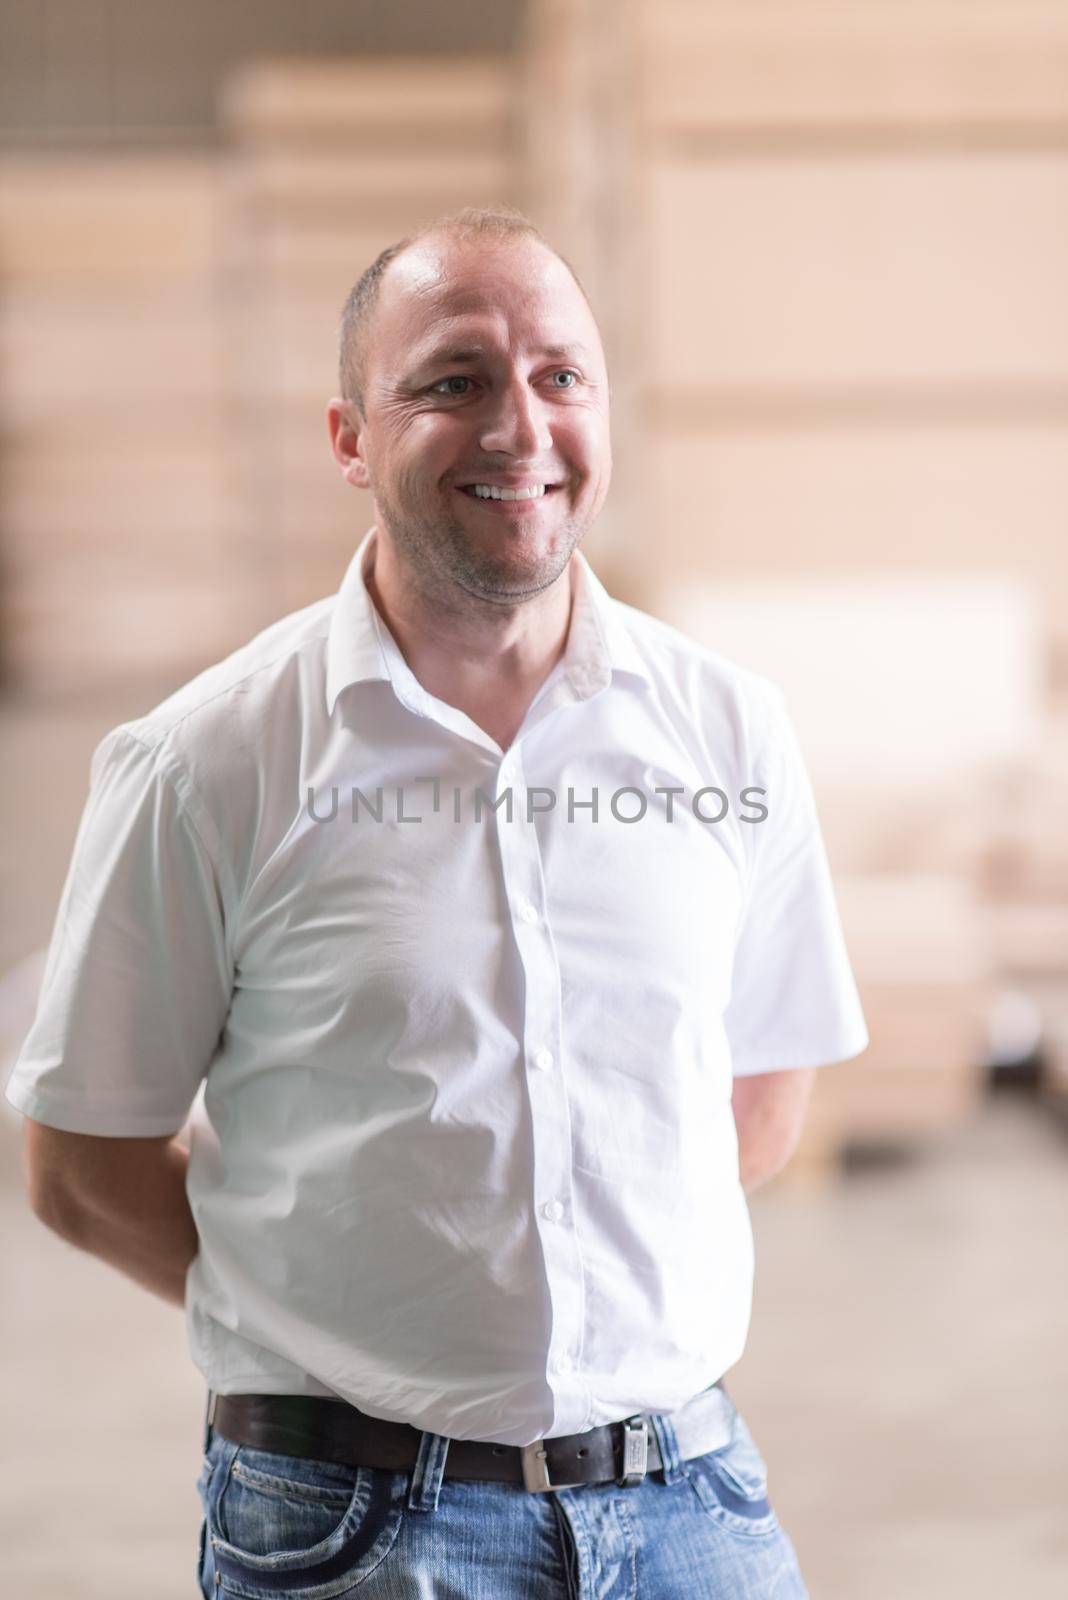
[322,1429]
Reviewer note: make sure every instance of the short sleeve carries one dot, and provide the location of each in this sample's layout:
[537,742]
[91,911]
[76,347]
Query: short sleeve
[137,983]
[793,1000]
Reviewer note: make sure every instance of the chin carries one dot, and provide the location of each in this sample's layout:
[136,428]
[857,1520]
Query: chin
[516,579]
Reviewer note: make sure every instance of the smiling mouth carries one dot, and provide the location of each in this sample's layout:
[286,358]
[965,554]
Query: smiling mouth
[493,493]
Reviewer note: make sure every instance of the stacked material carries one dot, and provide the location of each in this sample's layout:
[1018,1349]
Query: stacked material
[1026,880]
[919,944]
[912,700]
[330,163]
[168,344]
[118,506]
[854,246]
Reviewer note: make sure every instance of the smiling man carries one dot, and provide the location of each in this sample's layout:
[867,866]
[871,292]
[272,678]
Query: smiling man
[488,1059]
[478,417]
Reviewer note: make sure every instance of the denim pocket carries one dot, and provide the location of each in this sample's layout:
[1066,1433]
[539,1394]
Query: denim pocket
[732,1485]
[286,1525]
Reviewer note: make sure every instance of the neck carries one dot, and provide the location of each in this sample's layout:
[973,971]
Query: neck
[488,660]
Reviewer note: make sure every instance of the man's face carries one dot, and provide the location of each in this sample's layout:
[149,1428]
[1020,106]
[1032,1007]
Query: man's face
[484,368]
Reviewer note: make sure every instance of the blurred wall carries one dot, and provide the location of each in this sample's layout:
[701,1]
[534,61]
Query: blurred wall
[181,216]
[138,72]
[847,310]
[826,246]
[826,243]
[829,241]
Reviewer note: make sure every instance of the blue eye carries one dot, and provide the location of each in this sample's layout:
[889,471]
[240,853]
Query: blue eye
[445,385]
[565,373]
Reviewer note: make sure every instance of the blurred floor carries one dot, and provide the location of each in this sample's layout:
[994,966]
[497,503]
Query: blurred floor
[906,1369]
[905,1379]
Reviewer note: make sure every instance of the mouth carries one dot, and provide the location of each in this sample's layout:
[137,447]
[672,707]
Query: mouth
[503,497]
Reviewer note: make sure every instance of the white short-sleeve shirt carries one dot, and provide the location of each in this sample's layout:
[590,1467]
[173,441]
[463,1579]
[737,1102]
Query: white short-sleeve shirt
[454,1028]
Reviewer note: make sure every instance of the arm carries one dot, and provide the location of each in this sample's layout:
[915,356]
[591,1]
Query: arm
[769,1112]
[123,1200]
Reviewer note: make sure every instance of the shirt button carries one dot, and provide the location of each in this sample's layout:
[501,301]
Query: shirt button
[528,911]
[543,1060]
[552,1210]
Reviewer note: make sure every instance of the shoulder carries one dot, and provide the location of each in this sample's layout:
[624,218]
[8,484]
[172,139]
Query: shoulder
[708,687]
[211,718]
[220,739]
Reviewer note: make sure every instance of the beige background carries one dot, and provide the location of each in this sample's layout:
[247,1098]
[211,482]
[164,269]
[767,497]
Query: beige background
[827,244]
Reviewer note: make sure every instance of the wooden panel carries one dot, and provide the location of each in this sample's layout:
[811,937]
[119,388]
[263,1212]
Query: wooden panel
[920,950]
[169,343]
[161,629]
[904,1090]
[332,164]
[714,65]
[312,185]
[1031,936]
[324,256]
[135,70]
[915,929]
[890,500]
[1027,863]
[84,221]
[905,681]
[882,271]
[85,354]
[870,1100]
[378,101]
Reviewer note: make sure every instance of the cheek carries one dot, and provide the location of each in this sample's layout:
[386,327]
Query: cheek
[427,448]
[586,445]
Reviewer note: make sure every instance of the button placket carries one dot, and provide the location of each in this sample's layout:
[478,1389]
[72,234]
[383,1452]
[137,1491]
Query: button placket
[551,1193]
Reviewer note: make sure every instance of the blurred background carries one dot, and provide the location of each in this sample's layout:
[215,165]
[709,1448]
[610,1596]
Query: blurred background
[828,246]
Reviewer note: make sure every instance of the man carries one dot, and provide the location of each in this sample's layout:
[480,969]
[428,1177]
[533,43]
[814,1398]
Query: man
[495,918]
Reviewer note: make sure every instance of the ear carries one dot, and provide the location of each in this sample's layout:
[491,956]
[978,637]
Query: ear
[346,425]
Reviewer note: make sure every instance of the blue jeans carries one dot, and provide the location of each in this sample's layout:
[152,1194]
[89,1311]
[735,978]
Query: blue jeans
[701,1529]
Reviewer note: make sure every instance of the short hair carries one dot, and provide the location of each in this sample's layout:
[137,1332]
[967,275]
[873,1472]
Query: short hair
[472,225]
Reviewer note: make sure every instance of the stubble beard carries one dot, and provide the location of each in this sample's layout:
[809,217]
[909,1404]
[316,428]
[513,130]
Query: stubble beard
[450,571]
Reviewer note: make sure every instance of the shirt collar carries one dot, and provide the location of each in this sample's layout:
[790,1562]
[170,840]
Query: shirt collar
[361,649]
[599,643]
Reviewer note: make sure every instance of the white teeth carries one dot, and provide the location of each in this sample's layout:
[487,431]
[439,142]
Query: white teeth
[490,491]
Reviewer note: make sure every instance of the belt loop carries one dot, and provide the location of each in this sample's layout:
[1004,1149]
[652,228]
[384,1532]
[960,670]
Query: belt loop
[667,1439]
[209,1418]
[427,1473]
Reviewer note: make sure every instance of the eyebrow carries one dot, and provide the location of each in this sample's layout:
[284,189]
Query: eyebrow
[459,354]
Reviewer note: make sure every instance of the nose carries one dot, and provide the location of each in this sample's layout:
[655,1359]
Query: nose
[517,425]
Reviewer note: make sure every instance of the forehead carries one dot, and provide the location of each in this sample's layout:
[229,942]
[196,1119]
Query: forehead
[514,290]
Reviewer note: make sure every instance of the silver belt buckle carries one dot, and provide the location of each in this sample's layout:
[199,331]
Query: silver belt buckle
[536,1469]
[635,1451]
